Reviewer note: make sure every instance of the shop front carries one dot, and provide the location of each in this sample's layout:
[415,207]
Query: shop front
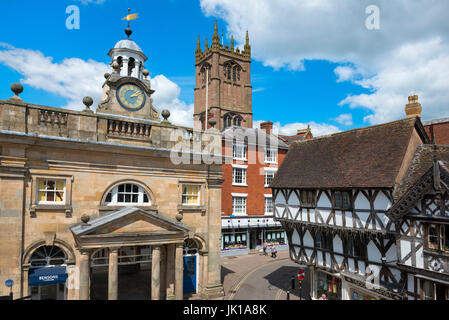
[241,235]
[327,284]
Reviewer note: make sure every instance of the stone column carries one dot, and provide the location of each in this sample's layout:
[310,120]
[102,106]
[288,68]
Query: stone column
[156,273]
[84,275]
[113,274]
[179,269]
[124,71]
[170,282]
[163,275]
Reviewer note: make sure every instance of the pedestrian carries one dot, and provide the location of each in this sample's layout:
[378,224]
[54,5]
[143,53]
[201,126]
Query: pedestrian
[265,245]
[323,297]
[273,251]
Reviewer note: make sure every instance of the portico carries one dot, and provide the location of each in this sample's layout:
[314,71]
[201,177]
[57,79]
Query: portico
[132,227]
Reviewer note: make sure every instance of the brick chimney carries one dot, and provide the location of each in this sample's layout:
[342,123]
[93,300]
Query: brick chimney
[267,126]
[413,108]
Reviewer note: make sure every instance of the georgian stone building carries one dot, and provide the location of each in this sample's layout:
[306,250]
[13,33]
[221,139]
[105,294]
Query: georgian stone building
[91,205]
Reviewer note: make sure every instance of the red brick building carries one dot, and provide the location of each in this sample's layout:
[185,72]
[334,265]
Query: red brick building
[223,91]
[438,128]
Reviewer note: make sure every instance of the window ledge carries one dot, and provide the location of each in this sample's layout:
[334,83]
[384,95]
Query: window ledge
[195,208]
[51,207]
[239,185]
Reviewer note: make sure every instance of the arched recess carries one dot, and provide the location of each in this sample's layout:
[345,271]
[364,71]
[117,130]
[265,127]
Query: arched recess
[140,184]
[232,119]
[71,258]
[200,241]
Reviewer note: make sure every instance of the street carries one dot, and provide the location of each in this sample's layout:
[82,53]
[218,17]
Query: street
[258,277]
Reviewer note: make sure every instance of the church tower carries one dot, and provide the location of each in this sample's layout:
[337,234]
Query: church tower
[223,84]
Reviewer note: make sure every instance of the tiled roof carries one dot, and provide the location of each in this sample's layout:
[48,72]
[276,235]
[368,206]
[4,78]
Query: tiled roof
[363,158]
[421,163]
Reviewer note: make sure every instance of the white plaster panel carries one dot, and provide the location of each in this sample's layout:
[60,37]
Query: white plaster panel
[381,202]
[339,259]
[351,265]
[339,218]
[396,273]
[349,222]
[410,283]
[325,214]
[391,254]
[308,240]
[295,238]
[362,268]
[338,245]
[320,258]
[324,201]
[419,258]
[309,253]
[328,260]
[363,217]
[293,199]
[373,252]
[405,250]
[280,199]
[293,211]
[312,216]
[361,202]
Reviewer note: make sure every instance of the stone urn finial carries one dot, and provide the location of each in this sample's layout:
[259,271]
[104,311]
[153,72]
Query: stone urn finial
[146,73]
[107,75]
[116,67]
[212,122]
[165,114]
[88,101]
[85,218]
[179,217]
[17,88]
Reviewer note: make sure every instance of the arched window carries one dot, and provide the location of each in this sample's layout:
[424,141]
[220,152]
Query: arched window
[234,74]
[47,256]
[229,72]
[131,66]
[127,194]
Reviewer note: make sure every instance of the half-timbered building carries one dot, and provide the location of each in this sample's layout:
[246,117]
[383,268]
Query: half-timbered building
[337,197]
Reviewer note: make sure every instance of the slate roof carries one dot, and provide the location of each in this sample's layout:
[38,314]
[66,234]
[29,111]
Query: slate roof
[361,158]
[257,136]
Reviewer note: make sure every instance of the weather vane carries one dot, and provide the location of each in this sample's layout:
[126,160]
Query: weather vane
[128,18]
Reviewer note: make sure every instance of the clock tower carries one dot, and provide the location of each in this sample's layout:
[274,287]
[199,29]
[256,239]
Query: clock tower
[127,90]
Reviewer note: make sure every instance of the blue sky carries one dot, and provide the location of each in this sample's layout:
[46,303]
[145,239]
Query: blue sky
[313,62]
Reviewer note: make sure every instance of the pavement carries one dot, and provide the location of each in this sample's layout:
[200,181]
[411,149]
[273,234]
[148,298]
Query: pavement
[259,277]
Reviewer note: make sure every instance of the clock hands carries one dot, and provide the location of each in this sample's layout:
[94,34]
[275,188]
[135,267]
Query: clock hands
[135,94]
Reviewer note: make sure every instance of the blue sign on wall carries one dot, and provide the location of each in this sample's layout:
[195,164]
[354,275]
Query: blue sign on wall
[46,276]
[9,283]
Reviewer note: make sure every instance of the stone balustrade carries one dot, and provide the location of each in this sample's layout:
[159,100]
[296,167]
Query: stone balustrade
[128,129]
[52,117]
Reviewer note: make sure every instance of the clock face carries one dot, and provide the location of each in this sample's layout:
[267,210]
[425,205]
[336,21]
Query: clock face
[131,97]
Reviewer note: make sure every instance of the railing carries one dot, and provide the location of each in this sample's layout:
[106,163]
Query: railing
[129,129]
[52,117]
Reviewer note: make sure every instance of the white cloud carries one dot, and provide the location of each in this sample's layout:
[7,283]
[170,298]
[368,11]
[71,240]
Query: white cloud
[344,119]
[74,78]
[408,54]
[289,129]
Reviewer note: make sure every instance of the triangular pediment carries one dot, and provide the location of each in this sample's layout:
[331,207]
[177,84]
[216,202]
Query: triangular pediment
[126,221]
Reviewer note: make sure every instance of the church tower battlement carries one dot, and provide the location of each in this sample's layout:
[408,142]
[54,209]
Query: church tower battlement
[227,94]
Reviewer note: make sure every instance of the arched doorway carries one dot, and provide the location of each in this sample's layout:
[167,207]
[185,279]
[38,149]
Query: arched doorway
[47,274]
[190,252]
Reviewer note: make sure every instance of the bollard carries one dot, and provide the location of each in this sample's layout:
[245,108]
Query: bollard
[288,295]
[293,283]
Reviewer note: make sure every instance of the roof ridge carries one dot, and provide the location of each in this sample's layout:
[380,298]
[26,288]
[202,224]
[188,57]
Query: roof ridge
[356,129]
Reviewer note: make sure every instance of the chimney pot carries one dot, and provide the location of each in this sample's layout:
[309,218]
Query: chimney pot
[267,126]
[413,108]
